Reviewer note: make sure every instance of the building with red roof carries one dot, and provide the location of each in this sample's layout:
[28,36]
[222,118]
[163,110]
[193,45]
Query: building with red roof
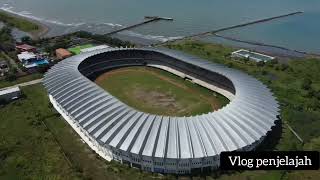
[26,48]
[62,53]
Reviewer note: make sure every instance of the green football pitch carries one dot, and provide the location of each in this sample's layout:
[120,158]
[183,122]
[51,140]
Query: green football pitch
[159,92]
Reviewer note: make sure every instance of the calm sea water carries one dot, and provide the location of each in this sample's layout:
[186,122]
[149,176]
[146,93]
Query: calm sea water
[301,32]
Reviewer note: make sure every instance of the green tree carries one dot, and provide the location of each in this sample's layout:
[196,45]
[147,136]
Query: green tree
[260,63]
[11,76]
[284,67]
[6,39]
[26,40]
[274,61]
[306,84]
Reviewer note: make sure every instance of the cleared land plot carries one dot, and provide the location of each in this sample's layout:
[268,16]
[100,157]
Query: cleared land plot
[159,92]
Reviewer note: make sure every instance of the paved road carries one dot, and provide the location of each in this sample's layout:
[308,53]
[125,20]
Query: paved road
[24,84]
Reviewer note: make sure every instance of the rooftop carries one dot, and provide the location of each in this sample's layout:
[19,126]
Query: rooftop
[9,90]
[25,47]
[252,55]
[36,63]
[63,52]
[26,56]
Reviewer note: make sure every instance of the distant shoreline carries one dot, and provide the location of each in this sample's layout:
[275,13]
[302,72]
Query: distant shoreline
[37,34]
[44,29]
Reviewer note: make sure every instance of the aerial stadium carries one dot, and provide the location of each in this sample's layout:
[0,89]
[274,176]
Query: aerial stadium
[156,143]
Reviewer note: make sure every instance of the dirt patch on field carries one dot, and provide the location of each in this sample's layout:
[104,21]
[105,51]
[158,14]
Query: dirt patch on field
[109,74]
[211,100]
[169,80]
[156,99]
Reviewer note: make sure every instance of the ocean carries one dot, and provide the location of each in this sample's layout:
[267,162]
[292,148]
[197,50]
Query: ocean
[299,32]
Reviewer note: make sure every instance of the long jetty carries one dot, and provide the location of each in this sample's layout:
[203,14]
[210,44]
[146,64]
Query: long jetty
[233,27]
[266,45]
[151,19]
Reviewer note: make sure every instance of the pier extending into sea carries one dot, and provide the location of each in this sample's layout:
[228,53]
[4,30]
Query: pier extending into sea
[150,19]
[232,27]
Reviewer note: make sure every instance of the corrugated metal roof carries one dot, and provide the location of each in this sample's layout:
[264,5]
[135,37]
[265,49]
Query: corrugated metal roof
[9,90]
[247,118]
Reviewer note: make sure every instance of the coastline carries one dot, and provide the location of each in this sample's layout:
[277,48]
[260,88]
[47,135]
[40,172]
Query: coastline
[37,34]
[261,44]
[139,41]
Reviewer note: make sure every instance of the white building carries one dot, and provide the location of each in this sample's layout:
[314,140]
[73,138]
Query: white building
[31,60]
[251,55]
[10,94]
[26,56]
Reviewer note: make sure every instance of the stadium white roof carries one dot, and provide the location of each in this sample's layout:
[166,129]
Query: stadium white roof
[247,118]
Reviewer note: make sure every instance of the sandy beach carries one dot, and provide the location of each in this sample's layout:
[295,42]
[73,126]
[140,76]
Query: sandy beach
[40,33]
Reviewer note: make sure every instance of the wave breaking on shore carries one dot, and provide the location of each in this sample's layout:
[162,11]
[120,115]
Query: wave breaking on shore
[99,28]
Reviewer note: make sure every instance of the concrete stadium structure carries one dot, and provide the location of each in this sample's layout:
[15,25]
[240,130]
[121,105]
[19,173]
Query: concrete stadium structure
[178,145]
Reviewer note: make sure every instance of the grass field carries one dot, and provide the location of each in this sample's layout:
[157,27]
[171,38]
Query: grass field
[19,23]
[36,143]
[77,50]
[27,149]
[5,83]
[159,92]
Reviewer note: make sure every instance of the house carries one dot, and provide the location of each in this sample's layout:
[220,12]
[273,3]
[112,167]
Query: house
[26,56]
[9,94]
[62,53]
[25,48]
[31,60]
